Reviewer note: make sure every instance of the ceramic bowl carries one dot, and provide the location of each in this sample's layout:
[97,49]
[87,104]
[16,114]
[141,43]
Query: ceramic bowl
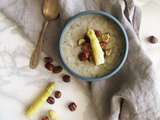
[124,51]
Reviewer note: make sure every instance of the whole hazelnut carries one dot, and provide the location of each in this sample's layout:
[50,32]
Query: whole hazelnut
[152,39]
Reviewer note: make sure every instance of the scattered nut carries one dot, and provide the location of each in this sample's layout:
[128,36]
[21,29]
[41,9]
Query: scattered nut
[66,78]
[72,106]
[48,60]
[152,39]
[45,118]
[57,69]
[57,94]
[49,66]
[86,46]
[98,33]
[83,56]
[50,100]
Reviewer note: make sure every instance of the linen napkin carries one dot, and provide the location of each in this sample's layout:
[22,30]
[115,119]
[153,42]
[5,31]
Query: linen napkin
[131,94]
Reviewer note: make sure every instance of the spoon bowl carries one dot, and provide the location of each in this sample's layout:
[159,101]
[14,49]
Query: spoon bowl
[50,9]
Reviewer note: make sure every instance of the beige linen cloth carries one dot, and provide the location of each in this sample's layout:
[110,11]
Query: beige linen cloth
[129,95]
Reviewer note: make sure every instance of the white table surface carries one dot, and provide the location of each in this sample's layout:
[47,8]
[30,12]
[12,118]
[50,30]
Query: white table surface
[17,92]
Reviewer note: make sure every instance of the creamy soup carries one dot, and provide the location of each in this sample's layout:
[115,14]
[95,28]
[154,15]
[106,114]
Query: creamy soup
[70,49]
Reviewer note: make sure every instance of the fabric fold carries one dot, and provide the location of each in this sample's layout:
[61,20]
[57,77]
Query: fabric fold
[129,95]
[136,79]
[118,98]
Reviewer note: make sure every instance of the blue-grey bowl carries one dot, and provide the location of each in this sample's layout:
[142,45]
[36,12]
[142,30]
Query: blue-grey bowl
[121,60]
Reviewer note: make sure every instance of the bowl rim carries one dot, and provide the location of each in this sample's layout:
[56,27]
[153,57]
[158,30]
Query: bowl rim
[126,46]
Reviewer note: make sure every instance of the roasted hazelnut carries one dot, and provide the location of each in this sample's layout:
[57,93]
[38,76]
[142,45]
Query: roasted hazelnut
[50,100]
[83,56]
[72,106]
[152,39]
[48,59]
[57,94]
[86,46]
[57,69]
[49,66]
[66,78]
[45,118]
[98,33]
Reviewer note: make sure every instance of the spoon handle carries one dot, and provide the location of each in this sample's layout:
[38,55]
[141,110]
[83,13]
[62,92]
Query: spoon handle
[37,51]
